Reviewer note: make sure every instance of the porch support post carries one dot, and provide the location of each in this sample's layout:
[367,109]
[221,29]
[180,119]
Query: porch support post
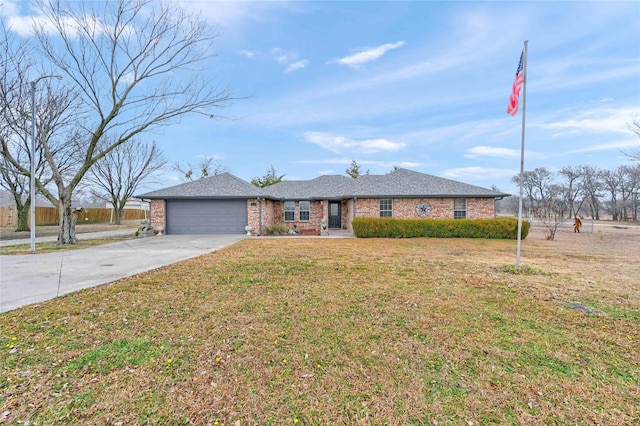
[259,216]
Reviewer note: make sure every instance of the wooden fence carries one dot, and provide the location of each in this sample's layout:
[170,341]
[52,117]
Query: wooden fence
[49,215]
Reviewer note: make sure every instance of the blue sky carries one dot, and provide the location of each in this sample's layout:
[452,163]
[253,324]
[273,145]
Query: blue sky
[420,85]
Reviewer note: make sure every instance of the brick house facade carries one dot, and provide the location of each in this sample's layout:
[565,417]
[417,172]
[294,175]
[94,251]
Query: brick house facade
[317,206]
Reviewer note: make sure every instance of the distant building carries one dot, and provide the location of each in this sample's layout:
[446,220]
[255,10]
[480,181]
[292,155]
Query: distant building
[132,203]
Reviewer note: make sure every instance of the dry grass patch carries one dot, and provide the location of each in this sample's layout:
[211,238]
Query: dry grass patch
[327,331]
[51,246]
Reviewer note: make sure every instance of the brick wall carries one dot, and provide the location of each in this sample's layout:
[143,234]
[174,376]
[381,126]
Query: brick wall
[441,208]
[345,213]
[157,214]
[307,227]
[481,208]
[270,211]
[253,215]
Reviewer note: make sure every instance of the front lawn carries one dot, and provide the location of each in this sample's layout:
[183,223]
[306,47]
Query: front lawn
[333,331]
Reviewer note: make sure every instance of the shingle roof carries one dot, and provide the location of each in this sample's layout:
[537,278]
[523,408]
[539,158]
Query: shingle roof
[398,183]
[408,183]
[224,185]
[323,187]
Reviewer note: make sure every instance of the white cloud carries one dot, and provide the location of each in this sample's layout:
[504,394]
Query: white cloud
[340,144]
[235,16]
[348,160]
[401,164]
[343,160]
[9,8]
[608,146]
[22,25]
[290,59]
[297,65]
[248,53]
[367,55]
[210,157]
[283,56]
[474,173]
[597,120]
[25,25]
[608,124]
[489,151]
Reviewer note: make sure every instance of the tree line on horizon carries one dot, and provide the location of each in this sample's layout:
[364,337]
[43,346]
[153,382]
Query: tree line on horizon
[580,191]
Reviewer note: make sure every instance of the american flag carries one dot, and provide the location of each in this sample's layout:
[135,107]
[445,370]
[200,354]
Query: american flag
[512,109]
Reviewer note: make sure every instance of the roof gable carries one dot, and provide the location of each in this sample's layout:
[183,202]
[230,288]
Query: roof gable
[223,185]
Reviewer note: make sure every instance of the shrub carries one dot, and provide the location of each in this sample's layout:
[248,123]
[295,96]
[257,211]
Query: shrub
[277,229]
[438,228]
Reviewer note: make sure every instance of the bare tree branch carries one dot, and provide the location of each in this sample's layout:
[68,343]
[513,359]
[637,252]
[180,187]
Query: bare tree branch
[634,126]
[203,169]
[136,65]
[117,175]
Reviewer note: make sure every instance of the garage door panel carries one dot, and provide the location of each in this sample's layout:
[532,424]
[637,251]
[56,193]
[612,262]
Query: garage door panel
[206,216]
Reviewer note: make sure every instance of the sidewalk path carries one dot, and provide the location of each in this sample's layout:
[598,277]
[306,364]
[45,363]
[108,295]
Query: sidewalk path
[33,278]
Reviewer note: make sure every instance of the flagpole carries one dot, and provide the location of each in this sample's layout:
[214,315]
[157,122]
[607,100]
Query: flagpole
[524,108]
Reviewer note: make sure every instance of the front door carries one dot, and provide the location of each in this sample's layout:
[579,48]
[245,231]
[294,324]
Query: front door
[334,215]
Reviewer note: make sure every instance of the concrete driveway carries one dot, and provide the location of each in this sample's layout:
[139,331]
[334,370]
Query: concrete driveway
[33,278]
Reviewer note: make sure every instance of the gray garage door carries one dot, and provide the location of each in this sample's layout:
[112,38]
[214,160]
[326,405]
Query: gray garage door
[206,216]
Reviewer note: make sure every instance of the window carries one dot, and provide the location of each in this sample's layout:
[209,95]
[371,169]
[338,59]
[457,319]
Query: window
[304,210]
[289,210]
[386,207]
[459,208]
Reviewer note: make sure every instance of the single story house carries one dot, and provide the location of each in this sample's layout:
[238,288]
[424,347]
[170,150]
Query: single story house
[227,204]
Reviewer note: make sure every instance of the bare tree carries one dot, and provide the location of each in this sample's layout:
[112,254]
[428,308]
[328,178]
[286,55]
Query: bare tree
[535,184]
[634,126]
[136,65]
[612,181]
[203,169]
[551,211]
[13,119]
[572,189]
[592,186]
[270,178]
[628,189]
[117,175]
[53,111]
[18,185]
[634,192]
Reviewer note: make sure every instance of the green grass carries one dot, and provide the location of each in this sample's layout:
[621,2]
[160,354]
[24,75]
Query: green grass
[330,332]
[114,355]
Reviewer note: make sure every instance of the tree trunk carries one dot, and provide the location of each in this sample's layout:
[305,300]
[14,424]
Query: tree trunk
[23,216]
[118,213]
[67,233]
